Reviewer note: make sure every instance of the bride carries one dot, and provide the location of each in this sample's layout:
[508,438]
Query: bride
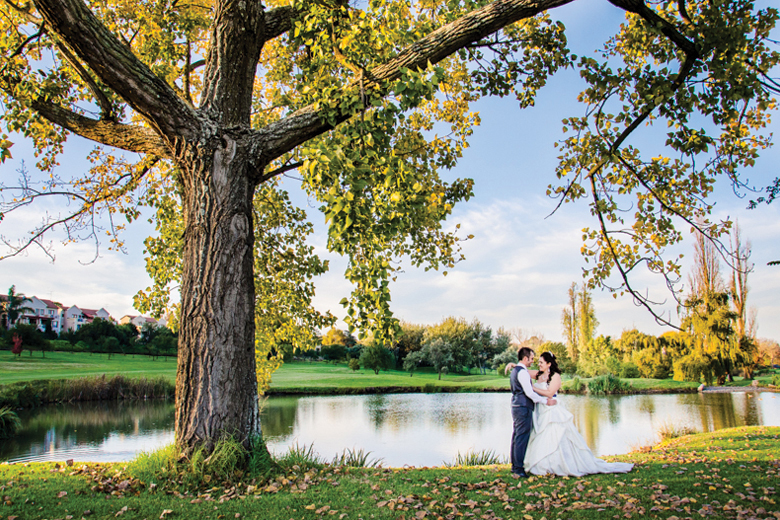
[555,445]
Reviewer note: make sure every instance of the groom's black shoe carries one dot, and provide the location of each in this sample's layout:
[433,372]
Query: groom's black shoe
[519,475]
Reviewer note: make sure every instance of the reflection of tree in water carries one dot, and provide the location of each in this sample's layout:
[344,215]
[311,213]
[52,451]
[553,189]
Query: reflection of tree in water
[721,409]
[587,411]
[463,412]
[613,409]
[749,409]
[69,425]
[377,409]
[716,411]
[646,404]
[754,413]
[452,412]
[278,416]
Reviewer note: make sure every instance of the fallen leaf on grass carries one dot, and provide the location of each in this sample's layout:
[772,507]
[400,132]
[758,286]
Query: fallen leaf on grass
[165,513]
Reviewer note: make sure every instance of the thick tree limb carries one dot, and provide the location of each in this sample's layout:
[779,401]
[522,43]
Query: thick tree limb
[25,11]
[284,135]
[106,109]
[237,37]
[656,20]
[117,67]
[278,21]
[127,137]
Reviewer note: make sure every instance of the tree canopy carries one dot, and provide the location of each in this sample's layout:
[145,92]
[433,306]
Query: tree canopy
[369,103]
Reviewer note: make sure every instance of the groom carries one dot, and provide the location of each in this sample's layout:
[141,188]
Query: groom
[523,401]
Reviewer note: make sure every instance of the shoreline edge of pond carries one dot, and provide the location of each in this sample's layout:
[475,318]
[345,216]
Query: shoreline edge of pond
[34,393]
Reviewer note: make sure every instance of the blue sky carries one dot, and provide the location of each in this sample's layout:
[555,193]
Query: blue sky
[519,265]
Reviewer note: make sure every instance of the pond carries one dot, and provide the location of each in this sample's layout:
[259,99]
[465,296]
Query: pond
[399,429]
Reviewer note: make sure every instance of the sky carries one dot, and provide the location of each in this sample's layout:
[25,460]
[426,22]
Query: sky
[518,266]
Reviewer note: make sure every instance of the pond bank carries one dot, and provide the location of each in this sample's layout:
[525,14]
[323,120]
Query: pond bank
[724,389]
[31,394]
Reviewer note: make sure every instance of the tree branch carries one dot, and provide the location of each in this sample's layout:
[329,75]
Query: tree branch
[116,66]
[278,21]
[281,170]
[655,20]
[127,137]
[284,135]
[106,109]
[638,299]
[24,11]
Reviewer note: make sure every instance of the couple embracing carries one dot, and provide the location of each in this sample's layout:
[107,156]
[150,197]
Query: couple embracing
[544,438]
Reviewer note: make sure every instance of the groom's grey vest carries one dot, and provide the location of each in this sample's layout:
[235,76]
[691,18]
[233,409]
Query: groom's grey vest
[518,396]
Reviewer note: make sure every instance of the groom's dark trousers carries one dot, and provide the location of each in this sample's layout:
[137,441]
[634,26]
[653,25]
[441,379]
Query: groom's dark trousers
[522,422]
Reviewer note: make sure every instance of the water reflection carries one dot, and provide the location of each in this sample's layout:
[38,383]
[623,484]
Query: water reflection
[103,431]
[427,429]
[402,429]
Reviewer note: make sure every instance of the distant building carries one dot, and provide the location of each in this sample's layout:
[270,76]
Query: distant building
[138,321]
[41,313]
[45,313]
[74,318]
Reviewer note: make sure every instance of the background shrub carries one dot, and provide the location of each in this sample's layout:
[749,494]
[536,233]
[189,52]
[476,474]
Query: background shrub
[608,384]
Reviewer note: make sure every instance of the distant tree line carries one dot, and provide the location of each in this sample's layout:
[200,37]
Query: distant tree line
[717,337]
[454,345]
[99,336]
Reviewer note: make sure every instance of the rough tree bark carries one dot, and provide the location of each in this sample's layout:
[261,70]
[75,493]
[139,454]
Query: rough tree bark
[221,160]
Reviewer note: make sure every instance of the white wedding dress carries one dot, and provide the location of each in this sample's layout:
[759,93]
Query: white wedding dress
[557,447]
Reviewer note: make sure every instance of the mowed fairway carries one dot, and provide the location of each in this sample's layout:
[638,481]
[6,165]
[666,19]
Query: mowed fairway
[297,377]
[69,365]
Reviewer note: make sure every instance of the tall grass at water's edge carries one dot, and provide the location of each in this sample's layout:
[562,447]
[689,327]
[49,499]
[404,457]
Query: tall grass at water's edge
[30,394]
[9,422]
[608,384]
[476,458]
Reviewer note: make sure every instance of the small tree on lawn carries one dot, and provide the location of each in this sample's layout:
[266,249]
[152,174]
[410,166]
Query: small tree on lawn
[439,354]
[413,360]
[376,357]
[17,348]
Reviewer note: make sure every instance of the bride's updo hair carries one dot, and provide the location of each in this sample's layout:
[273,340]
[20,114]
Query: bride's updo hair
[549,357]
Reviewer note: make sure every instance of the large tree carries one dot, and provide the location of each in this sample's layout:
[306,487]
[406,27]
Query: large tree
[220,98]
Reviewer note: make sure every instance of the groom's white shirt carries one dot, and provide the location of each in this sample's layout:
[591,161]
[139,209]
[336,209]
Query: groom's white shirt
[524,378]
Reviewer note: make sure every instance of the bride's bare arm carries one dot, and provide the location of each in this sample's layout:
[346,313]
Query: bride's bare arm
[552,388]
[555,384]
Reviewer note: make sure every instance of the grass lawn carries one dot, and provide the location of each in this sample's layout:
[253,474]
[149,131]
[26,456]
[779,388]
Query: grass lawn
[303,376]
[297,377]
[726,474]
[69,365]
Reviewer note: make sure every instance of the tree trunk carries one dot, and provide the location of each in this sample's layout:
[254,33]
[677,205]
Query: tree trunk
[216,383]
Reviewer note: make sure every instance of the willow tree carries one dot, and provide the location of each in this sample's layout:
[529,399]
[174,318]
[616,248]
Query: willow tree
[214,100]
